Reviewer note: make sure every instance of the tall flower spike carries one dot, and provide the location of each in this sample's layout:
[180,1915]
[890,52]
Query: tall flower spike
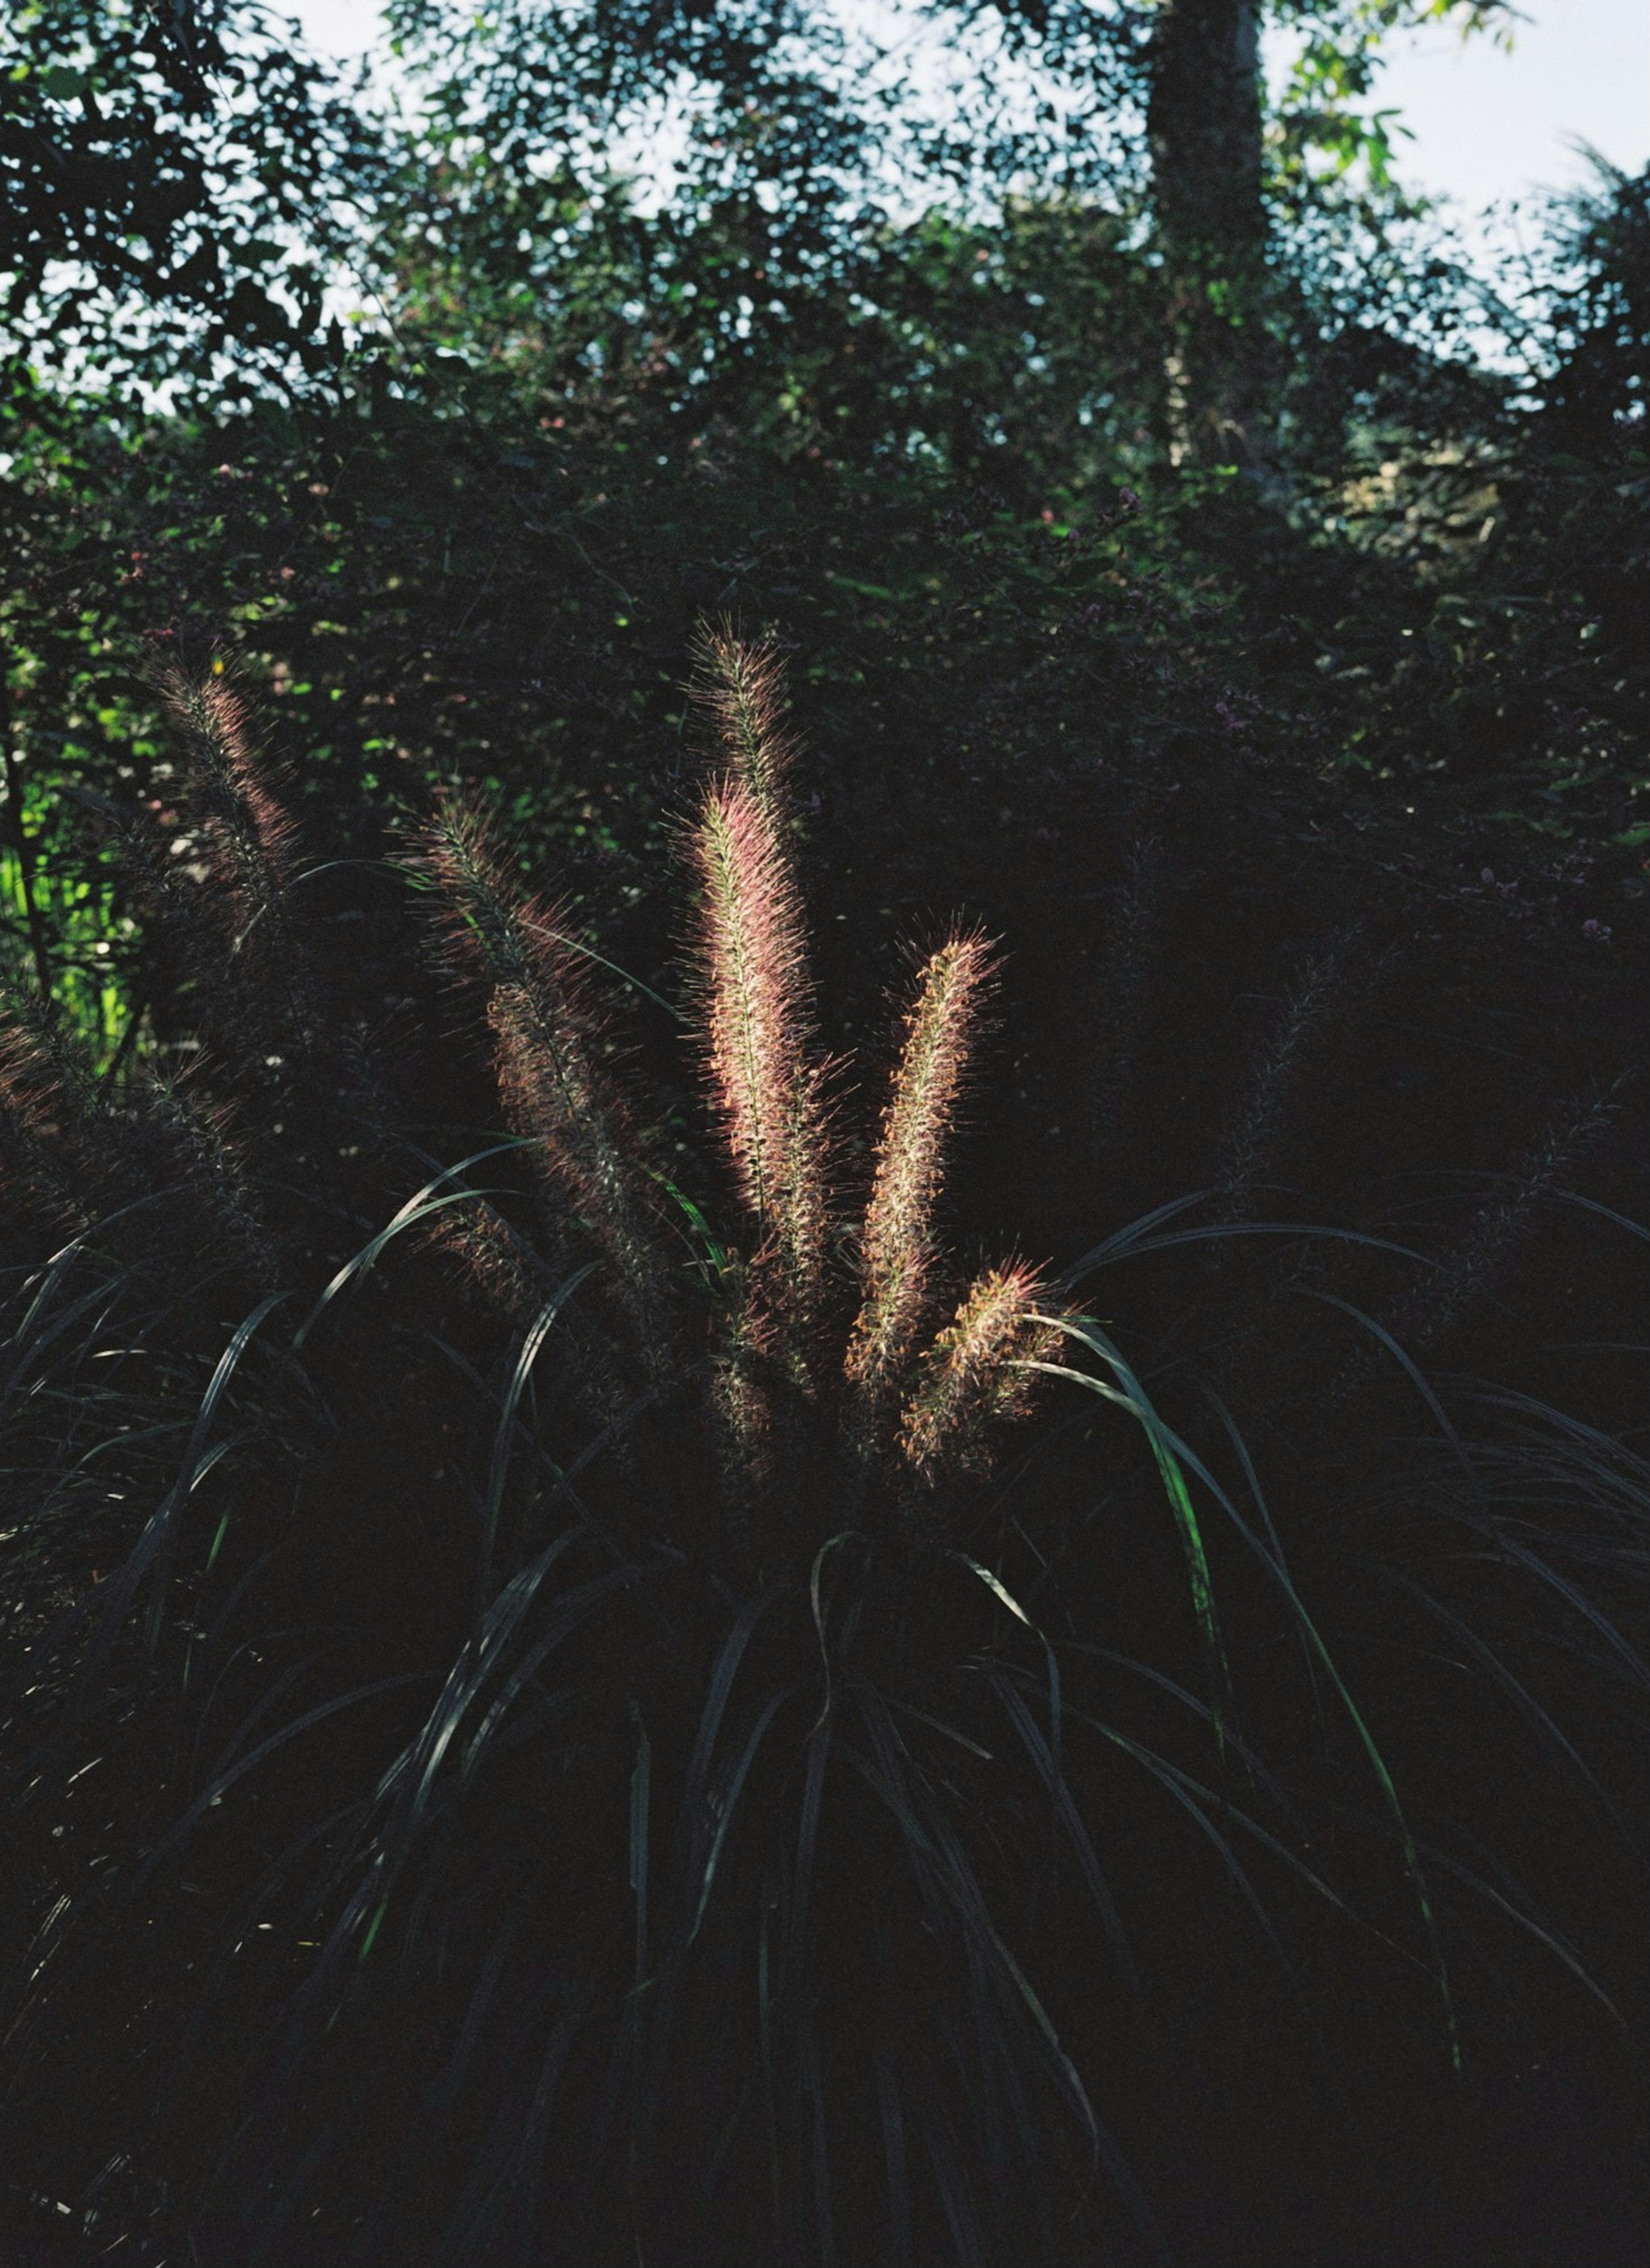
[897,1249]
[254,835]
[740,686]
[39,1107]
[972,1376]
[249,839]
[765,1086]
[189,933]
[82,1154]
[547,1046]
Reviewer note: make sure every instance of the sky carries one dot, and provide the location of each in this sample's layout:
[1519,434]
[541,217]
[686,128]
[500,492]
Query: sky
[1488,126]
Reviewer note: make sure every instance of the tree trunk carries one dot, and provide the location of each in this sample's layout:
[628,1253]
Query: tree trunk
[1204,122]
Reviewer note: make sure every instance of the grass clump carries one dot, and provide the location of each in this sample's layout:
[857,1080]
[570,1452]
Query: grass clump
[712,1458]
[658,1723]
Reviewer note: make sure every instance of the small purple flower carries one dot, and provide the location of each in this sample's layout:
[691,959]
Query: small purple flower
[1598,931]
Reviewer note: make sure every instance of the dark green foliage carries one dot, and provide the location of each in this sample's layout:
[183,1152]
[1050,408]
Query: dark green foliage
[164,175]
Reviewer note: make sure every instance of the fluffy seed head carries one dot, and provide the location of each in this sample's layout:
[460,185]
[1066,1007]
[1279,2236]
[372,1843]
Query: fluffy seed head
[970,1376]
[500,1265]
[76,1152]
[196,933]
[897,1249]
[548,1049]
[251,834]
[755,1002]
[39,1107]
[248,839]
[739,686]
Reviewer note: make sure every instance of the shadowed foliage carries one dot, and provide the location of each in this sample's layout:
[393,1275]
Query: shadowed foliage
[646,1708]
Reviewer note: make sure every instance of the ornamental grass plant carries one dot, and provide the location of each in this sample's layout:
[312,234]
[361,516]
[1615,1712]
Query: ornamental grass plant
[595,1692]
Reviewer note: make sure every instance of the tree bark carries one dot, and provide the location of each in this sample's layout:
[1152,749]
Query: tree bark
[1204,125]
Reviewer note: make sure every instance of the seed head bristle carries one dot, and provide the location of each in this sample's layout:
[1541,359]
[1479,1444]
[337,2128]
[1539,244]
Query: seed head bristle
[1255,1136]
[765,1085]
[502,1266]
[48,1084]
[896,1247]
[177,1132]
[248,837]
[85,1153]
[253,834]
[191,934]
[970,1376]
[739,685]
[515,1279]
[37,1113]
[548,1046]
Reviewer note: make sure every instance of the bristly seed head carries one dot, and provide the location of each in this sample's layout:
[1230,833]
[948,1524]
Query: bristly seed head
[233,775]
[896,1246]
[548,1046]
[973,1374]
[765,1083]
[769,1379]
[739,685]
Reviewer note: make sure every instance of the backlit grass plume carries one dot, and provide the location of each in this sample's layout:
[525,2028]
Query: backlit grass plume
[896,1246]
[245,839]
[547,1043]
[38,1106]
[801,1367]
[750,956]
[233,784]
[73,1150]
[975,1374]
[739,686]
[763,1073]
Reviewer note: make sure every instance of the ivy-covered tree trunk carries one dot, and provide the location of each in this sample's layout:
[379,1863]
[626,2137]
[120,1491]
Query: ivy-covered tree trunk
[1203,120]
